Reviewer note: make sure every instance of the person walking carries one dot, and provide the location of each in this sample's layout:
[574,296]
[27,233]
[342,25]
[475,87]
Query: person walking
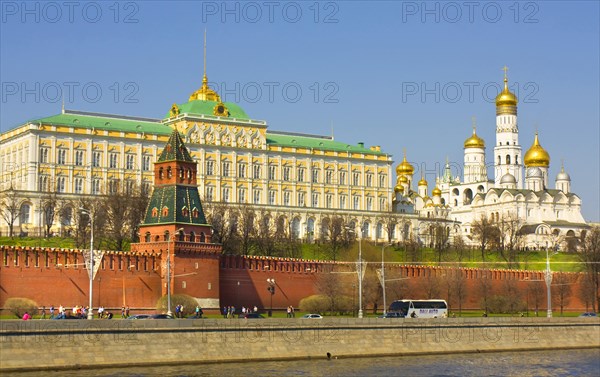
[43,316]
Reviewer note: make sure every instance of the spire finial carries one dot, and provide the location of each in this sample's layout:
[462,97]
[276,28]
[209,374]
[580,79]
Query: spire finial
[62,109]
[505,69]
[474,123]
[562,165]
[204,78]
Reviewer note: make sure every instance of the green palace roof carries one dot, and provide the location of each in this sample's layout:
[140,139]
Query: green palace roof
[286,139]
[200,107]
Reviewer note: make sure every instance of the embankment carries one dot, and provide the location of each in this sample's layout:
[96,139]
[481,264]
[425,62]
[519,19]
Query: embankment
[71,344]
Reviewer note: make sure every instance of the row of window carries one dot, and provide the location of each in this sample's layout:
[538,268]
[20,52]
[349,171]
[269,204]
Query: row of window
[79,159]
[287,174]
[113,186]
[300,199]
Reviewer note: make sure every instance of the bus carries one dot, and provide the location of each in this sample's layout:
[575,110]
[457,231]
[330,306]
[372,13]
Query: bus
[435,308]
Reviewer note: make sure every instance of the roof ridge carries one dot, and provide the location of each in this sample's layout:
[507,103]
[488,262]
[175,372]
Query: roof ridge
[107,115]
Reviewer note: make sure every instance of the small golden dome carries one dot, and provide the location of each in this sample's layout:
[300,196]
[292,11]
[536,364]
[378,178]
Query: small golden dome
[403,179]
[436,192]
[506,101]
[398,188]
[205,93]
[422,182]
[405,167]
[474,141]
[536,155]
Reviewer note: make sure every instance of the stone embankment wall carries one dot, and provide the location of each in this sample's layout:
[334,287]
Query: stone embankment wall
[39,345]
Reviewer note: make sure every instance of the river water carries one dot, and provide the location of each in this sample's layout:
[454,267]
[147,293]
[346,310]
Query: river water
[532,363]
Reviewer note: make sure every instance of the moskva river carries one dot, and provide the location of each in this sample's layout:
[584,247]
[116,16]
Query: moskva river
[531,363]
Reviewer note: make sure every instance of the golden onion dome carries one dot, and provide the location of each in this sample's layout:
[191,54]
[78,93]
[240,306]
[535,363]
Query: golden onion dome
[422,182]
[403,179]
[436,192]
[537,155]
[474,141]
[506,101]
[405,167]
[398,188]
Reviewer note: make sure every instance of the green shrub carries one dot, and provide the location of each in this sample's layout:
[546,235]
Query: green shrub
[19,305]
[189,304]
[500,304]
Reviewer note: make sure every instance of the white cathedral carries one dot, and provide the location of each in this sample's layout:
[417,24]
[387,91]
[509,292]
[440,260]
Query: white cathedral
[544,217]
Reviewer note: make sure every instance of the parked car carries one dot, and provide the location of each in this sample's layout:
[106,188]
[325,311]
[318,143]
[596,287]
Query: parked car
[251,315]
[161,316]
[194,316]
[312,316]
[139,316]
[589,314]
[68,316]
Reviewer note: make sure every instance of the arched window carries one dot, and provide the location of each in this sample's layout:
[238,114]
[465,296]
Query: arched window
[165,211]
[499,160]
[202,237]
[181,235]
[169,172]
[517,159]
[507,159]
[161,173]
[167,236]
[192,237]
[147,237]
[154,212]
[467,196]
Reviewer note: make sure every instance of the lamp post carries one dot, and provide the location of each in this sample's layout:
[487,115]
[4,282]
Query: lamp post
[548,279]
[169,312]
[90,314]
[383,279]
[360,273]
[271,289]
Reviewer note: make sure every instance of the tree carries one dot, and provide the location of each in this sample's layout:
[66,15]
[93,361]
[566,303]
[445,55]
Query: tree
[537,292]
[486,233]
[485,288]
[246,228]
[335,237]
[562,288]
[265,238]
[510,239]
[330,286]
[589,253]
[51,207]
[138,204]
[10,207]
[219,215]
[587,293]
[389,220]
[116,207]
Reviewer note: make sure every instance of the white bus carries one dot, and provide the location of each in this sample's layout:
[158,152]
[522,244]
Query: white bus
[434,308]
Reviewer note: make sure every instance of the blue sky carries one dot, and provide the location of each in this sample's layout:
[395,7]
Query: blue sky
[395,74]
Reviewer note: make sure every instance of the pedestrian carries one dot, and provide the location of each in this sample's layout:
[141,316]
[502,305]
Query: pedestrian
[224,311]
[122,312]
[43,313]
[51,311]
[127,312]
[26,316]
[289,312]
[293,312]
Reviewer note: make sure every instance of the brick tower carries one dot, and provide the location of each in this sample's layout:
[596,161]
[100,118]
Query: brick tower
[175,228]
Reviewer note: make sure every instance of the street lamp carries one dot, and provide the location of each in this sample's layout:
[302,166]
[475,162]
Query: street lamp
[271,289]
[383,279]
[548,279]
[360,273]
[169,312]
[90,314]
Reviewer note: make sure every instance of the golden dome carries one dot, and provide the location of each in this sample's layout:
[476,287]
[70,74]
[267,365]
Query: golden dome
[405,167]
[398,188]
[537,155]
[422,182]
[205,93]
[506,101]
[436,192]
[474,141]
[403,179]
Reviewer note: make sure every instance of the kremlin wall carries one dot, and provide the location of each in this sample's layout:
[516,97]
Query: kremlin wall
[136,279]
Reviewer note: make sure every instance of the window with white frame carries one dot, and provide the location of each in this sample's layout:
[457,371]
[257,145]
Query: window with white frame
[256,170]
[96,159]
[210,167]
[342,201]
[242,195]
[369,179]
[301,199]
[256,196]
[225,169]
[272,197]
[129,187]
[43,155]
[286,198]
[369,203]
[315,200]
[145,188]
[242,167]
[355,178]
[356,202]
[61,157]
[382,204]
[79,158]
[225,195]
[113,186]
[286,173]
[209,193]
[301,172]
[113,160]
[24,214]
[130,162]
[146,163]
[328,176]
[342,177]
[272,172]
[315,175]
[328,201]
[382,180]
[96,187]
[43,183]
[78,185]
[60,184]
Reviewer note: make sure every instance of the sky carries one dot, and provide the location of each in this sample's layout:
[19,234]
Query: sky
[404,75]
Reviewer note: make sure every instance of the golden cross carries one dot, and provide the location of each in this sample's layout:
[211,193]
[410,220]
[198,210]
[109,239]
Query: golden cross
[505,69]
[474,121]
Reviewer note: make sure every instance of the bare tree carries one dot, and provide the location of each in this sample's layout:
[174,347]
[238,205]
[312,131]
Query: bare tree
[330,285]
[389,220]
[335,237]
[562,288]
[138,203]
[510,239]
[587,291]
[116,208]
[486,233]
[537,293]
[246,228]
[265,239]
[10,207]
[219,215]
[431,285]
[589,253]
[485,288]
[50,204]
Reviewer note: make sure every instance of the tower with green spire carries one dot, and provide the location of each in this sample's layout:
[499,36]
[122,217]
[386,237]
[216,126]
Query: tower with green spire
[175,226]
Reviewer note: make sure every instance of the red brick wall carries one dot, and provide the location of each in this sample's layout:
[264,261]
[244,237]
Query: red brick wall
[212,275]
